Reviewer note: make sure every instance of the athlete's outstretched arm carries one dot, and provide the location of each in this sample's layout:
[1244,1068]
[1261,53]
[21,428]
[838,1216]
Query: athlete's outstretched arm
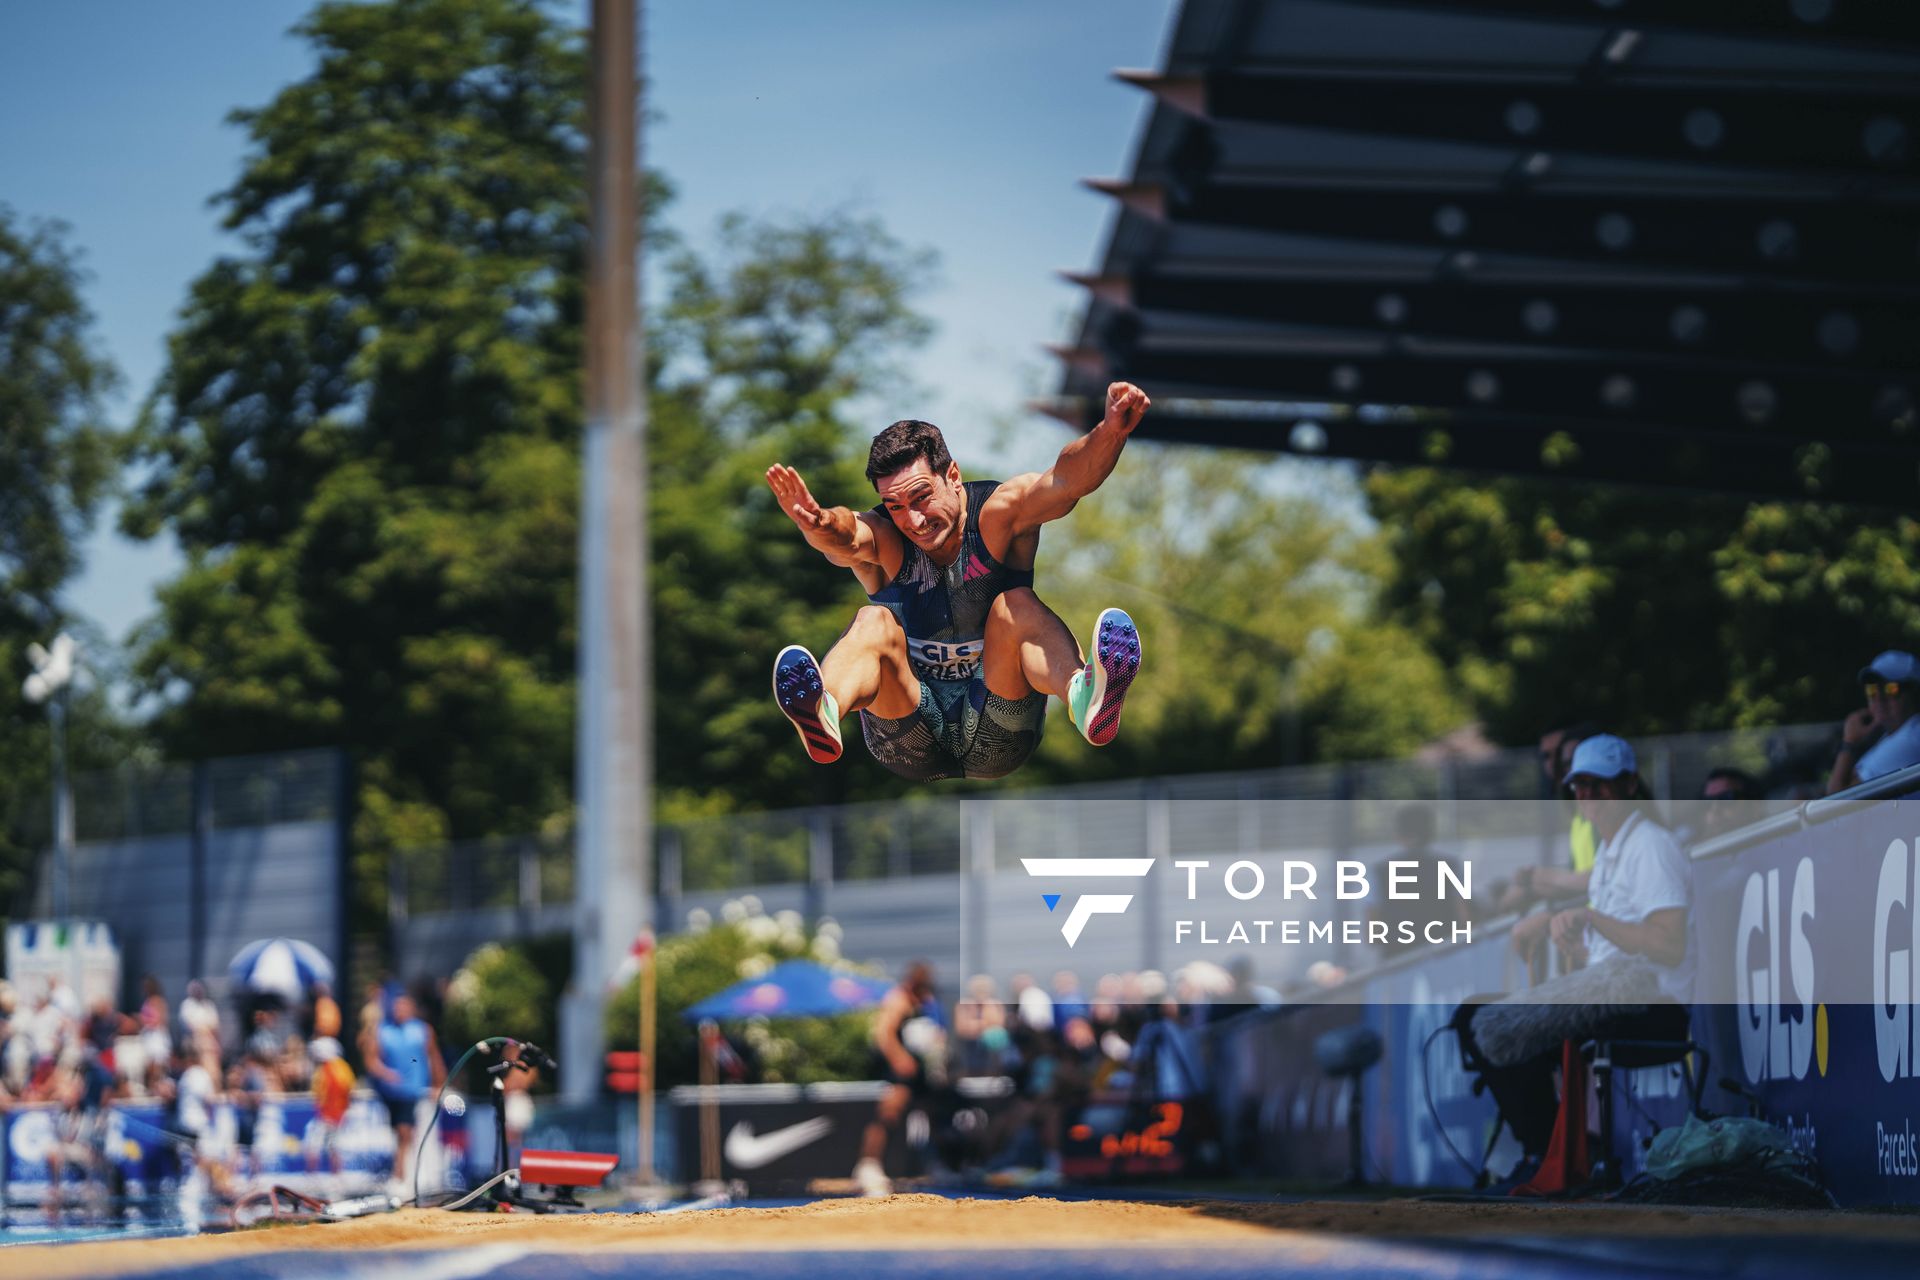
[1082,466]
[837,533]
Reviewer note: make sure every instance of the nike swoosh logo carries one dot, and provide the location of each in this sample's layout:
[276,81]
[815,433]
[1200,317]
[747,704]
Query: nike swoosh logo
[748,1150]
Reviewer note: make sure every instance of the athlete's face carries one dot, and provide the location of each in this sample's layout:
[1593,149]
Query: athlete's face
[926,507]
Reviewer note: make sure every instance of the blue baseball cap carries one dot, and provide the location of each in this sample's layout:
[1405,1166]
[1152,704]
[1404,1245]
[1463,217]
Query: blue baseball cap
[1895,664]
[1603,756]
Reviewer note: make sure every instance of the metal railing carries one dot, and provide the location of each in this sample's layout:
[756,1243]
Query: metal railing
[923,835]
[515,872]
[140,800]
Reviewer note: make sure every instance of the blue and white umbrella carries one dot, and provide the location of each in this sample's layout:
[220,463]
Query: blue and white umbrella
[285,966]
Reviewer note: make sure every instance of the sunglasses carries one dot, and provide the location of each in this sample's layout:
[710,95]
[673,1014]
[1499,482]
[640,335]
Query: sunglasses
[1889,688]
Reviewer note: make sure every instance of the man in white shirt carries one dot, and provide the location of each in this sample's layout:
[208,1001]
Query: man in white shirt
[199,1019]
[1631,947]
[1642,880]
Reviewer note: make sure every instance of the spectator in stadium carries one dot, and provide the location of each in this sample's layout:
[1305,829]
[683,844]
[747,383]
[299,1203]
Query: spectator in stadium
[332,1095]
[1547,884]
[1883,736]
[1068,1003]
[195,1094]
[1166,1053]
[199,1018]
[518,1097]
[16,1051]
[248,1082]
[1413,826]
[326,1012]
[105,1027]
[65,1000]
[1247,989]
[46,1026]
[405,1066]
[1725,791]
[980,1029]
[1633,943]
[80,1085]
[155,1020]
[373,1013]
[294,1067]
[1031,1003]
[267,1040]
[1104,1010]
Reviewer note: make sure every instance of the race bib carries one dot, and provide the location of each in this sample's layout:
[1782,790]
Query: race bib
[945,659]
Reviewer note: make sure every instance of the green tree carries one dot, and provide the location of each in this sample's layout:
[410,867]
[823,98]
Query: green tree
[1254,584]
[1548,602]
[763,353]
[744,943]
[1811,593]
[366,439]
[366,434]
[55,462]
[499,990]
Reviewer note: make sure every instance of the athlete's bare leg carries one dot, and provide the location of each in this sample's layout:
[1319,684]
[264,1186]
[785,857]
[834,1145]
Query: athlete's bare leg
[867,670]
[869,1172]
[892,1106]
[1027,648]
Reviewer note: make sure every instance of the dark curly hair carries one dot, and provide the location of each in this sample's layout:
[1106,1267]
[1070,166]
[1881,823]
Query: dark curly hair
[895,449]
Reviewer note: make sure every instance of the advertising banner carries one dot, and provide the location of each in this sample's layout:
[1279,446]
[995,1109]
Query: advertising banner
[1807,972]
[778,1138]
[145,1155]
[81,955]
[1817,934]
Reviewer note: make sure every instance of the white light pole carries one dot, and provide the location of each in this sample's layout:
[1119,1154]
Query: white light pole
[52,676]
[613,770]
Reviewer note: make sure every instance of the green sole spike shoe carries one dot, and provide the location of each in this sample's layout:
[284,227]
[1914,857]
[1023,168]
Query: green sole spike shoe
[1098,690]
[802,697]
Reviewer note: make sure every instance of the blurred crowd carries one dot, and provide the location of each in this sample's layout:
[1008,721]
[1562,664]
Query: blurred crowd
[1129,1044]
[189,1059]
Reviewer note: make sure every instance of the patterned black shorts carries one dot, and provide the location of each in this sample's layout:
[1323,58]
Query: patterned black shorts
[962,730]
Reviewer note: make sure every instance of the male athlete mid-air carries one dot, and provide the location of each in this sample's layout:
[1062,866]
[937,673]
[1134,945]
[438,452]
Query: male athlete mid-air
[951,665]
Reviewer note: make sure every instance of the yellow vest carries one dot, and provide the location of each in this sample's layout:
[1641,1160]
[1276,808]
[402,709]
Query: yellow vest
[1585,844]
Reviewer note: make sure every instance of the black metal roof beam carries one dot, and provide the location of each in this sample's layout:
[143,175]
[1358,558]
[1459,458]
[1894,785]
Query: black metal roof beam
[1787,235]
[1839,331]
[1546,450]
[1887,22]
[1141,243]
[1773,126]
[1803,406]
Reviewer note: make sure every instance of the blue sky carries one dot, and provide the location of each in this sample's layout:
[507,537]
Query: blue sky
[964,127]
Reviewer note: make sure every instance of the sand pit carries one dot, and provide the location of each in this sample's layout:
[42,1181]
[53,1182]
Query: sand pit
[927,1222]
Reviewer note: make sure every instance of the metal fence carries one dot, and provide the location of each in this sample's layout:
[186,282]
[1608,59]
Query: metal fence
[512,873]
[923,835]
[135,801]
[189,862]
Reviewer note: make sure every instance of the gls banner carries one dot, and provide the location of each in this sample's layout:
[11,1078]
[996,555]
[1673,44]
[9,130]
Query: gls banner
[1809,955]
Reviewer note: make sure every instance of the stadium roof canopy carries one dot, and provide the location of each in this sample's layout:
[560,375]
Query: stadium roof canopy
[1660,242]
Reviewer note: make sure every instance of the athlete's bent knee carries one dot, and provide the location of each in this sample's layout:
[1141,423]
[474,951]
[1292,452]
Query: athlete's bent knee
[1014,607]
[878,627]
